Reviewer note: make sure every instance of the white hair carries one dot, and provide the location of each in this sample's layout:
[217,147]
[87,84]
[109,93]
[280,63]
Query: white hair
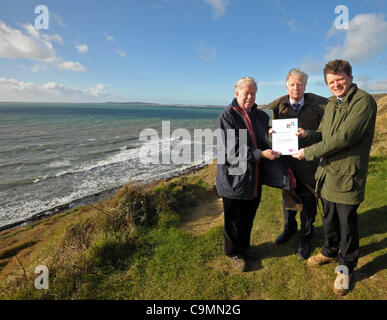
[298,72]
[239,84]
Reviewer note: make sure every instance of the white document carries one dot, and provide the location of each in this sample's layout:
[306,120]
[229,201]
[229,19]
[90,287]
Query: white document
[285,140]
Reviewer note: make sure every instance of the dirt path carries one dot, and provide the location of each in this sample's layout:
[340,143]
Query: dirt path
[207,214]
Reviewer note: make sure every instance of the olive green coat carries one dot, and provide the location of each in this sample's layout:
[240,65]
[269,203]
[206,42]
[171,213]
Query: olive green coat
[309,117]
[345,136]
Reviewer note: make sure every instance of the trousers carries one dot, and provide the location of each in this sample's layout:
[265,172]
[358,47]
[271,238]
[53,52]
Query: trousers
[341,233]
[307,214]
[238,222]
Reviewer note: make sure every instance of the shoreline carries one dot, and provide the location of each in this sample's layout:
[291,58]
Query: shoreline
[92,198]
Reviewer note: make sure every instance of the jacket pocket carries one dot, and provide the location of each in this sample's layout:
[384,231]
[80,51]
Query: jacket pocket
[340,179]
[238,183]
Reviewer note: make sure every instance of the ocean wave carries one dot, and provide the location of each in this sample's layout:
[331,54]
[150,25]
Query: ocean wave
[94,154]
[37,147]
[40,178]
[124,154]
[59,163]
[20,182]
[127,153]
[29,162]
[11,164]
[101,141]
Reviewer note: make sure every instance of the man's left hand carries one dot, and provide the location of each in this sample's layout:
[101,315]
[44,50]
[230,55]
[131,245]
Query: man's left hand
[299,154]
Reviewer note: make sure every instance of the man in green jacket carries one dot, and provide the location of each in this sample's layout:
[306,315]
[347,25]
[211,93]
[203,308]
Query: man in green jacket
[343,143]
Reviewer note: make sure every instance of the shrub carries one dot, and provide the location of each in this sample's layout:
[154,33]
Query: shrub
[176,195]
[138,206]
[79,235]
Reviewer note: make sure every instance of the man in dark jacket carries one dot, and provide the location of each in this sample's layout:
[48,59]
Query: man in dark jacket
[344,141]
[308,108]
[244,131]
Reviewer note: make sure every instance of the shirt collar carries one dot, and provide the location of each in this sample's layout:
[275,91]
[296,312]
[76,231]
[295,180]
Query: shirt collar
[301,102]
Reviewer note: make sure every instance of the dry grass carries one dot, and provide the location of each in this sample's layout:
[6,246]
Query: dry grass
[380,137]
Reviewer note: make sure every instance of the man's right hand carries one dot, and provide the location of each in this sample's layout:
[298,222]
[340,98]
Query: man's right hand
[270,154]
[301,133]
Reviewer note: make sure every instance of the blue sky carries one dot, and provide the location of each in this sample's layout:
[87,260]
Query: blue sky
[183,51]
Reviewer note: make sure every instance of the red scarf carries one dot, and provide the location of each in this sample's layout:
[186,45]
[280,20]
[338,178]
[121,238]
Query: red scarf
[253,139]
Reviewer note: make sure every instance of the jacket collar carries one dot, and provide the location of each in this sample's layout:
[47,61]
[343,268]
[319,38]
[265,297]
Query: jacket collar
[285,104]
[348,95]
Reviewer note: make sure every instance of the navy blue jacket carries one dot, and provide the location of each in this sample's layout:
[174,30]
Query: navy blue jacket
[270,172]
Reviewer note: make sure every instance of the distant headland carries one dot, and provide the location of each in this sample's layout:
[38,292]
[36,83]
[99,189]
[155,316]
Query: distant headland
[152,104]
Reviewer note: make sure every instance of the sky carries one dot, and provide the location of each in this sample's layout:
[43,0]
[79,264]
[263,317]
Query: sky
[183,51]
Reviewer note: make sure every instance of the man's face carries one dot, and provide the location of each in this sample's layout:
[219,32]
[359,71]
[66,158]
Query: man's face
[339,83]
[295,87]
[246,95]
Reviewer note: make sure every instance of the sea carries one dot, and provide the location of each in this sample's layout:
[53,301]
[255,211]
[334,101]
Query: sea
[55,156]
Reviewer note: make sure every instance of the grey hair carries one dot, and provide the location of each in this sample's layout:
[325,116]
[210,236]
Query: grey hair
[239,84]
[298,72]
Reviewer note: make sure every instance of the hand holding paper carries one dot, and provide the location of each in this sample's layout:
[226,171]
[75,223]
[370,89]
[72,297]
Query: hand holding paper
[301,133]
[270,154]
[299,154]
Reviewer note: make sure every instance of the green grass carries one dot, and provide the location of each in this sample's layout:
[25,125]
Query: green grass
[151,258]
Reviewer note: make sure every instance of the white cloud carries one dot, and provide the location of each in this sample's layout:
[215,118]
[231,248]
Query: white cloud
[108,37]
[121,53]
[98,91]
[218,7]
[71,66]
[55,37]
[38,67]
[15,90]
[363,40]
[82,48]
[16,44]
[373,85]
[32,45]
[293,24]
[57,18]
[317,81]
[311,66]
[206,53]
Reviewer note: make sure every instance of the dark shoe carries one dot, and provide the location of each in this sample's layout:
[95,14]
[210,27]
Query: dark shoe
[286,234]
[304,251]
[238,263]
[248,254]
